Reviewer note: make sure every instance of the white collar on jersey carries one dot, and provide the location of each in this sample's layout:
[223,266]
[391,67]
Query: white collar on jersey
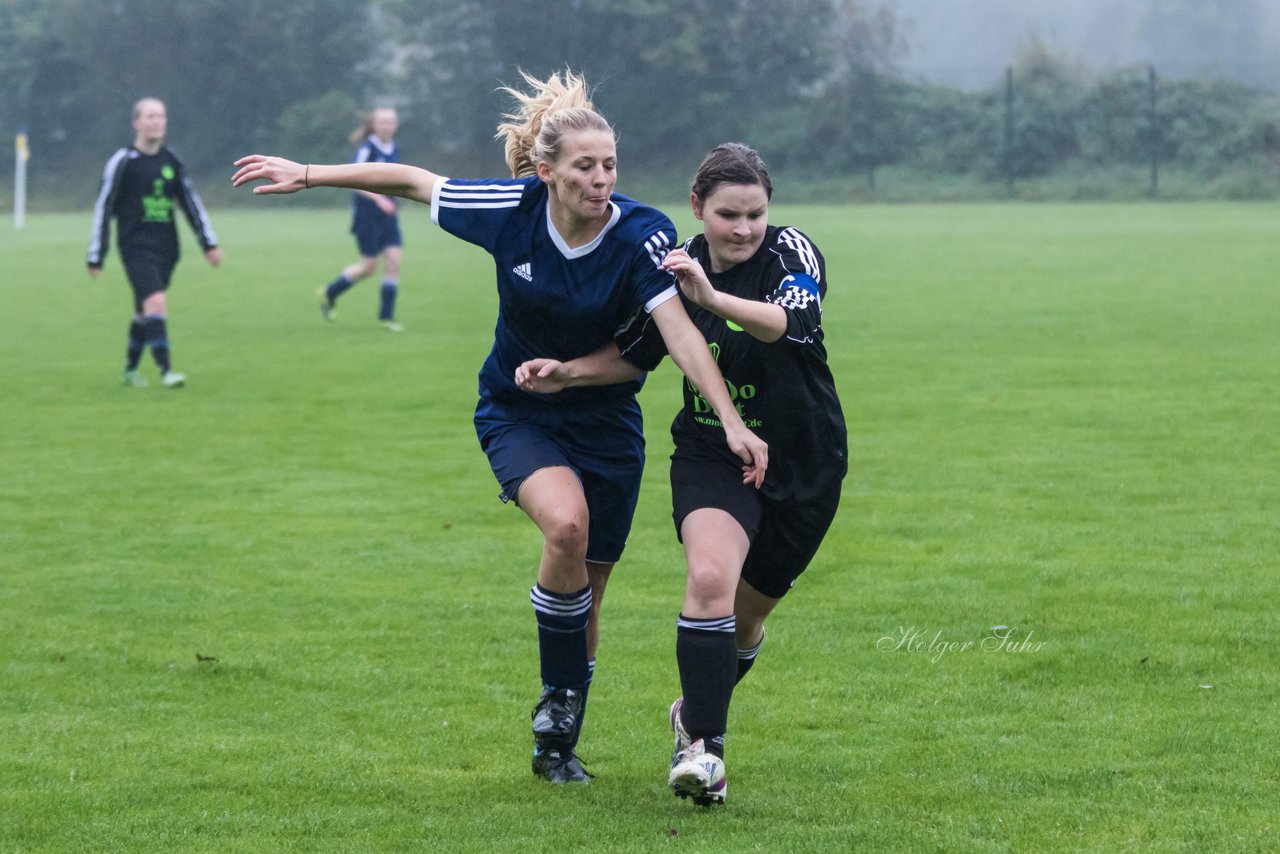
[385,148]
[586,248]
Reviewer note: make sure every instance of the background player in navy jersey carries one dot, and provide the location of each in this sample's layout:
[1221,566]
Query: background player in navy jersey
[374,222]
[140,185]
[755,291]
[574,263]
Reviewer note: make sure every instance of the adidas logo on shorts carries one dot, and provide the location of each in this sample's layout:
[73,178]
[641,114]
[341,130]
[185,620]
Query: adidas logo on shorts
[524,271]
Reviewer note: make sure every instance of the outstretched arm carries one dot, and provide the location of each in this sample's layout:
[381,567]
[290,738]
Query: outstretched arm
[689,350]
[285,176]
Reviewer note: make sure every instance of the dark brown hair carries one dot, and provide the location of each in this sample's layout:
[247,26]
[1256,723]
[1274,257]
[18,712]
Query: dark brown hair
[731,163]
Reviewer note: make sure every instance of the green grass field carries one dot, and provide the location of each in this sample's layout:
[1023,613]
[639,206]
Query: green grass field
[282,609]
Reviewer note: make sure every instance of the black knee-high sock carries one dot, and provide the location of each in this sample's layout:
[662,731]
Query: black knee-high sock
[562,636]
[746,658]
[157,335]
[137,343]
[337,288]
[708,659]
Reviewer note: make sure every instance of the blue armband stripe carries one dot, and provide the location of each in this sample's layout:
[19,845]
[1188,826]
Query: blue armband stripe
[802,281]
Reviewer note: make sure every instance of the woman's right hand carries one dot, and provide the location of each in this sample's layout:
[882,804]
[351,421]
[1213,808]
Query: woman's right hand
[751,449]
[691,277]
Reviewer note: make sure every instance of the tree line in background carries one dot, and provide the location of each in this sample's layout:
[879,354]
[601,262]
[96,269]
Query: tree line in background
[816,85]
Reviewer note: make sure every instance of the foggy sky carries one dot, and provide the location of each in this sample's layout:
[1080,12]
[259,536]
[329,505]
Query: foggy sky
[968,43]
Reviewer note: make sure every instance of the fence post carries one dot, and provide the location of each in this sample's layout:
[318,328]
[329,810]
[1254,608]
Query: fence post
[1154,189]
[21,154]
[1007,154]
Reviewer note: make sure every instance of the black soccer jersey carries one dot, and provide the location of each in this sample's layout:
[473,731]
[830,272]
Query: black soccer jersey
[140,191]
[783,390]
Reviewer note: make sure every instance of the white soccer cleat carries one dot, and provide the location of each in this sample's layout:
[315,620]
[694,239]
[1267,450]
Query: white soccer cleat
[173,379]
[677,726]
[699,775]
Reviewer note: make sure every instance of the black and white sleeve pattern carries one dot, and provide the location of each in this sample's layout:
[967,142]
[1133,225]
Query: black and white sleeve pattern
[640,342]
[100,234]
[193,207]
[801,286]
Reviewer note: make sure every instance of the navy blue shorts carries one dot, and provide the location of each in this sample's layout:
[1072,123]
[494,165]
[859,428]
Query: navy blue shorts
[148,273]
[604,446]
[375,232]
[784,535]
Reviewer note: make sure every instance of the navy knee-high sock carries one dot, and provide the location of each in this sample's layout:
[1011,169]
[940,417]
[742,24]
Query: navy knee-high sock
[337,288]
[157,335]
[562,636]
[387,310]
[582,712]
[707,656]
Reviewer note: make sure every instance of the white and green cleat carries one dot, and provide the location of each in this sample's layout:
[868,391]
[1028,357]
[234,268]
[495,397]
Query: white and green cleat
[326,306]
[173,379]
[133,379]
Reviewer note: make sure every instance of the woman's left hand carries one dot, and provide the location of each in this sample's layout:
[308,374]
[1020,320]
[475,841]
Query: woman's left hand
[542,376]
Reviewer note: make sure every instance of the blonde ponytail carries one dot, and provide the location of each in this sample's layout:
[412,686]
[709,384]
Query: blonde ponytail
[534,130]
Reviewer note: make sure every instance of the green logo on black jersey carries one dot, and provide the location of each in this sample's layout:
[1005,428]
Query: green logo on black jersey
[157,207]
[166,172]
[739,395]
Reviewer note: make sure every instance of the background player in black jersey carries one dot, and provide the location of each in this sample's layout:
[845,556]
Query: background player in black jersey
[375,222]
[755,291]
[139,187]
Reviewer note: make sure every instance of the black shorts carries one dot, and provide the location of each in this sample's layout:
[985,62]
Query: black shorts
[784,535]
[148,273]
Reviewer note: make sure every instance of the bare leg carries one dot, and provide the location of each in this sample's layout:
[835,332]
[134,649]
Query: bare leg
[751,607]
[360,269]
[715,547]
[598,573]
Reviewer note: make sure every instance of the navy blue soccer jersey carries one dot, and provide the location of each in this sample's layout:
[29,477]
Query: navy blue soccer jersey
[372,150]
[555,301]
